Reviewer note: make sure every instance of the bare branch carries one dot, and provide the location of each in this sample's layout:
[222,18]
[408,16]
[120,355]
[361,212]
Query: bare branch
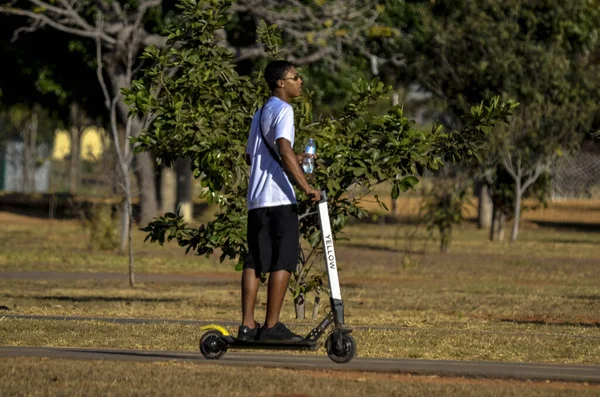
[508,166]
[43,19]
[432,88]
[73,14]
[534,177]
[99,61]
[49,7]
[111,6]
[133,45]
[315,56]
[27,29]
[336,25]
[154,40]
[145,6]
[252,52]
[115,133]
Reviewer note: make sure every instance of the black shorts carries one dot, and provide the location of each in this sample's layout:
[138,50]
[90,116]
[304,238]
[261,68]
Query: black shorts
[273,239]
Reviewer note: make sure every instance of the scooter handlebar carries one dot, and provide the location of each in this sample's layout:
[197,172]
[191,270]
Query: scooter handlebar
[323,195]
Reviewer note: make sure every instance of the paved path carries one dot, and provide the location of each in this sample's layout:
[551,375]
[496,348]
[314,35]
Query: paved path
[470,369]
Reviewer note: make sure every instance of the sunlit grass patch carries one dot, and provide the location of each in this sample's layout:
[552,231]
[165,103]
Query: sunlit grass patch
[437,341]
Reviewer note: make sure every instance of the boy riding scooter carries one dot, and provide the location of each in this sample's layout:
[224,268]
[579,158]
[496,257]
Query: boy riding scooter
[273,236]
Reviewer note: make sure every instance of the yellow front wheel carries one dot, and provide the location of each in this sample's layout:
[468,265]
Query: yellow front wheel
[212,345]
[215,327]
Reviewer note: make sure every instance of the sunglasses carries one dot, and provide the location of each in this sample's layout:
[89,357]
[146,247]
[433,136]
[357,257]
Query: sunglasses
[295,78]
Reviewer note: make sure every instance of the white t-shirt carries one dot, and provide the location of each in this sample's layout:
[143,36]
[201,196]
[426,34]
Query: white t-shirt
[269,185]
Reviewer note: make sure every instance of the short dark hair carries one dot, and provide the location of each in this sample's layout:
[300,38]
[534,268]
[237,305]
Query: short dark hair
[276,70]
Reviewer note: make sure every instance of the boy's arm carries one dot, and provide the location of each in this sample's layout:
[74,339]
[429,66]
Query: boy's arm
[291,165]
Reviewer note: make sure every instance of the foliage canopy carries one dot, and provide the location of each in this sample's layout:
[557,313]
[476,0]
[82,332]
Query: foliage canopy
[202,109]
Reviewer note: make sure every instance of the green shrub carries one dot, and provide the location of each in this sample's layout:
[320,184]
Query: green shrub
[102,228]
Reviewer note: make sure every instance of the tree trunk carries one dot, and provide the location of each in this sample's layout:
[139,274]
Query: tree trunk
[445,239]
[125,226]
[29,153]
[501,226]
[144,172]
[498,226]
[74,160]
[485,207]
[168,190]
[185,189]
[129,217]
[395,100]
[76,130]
[494,226]
[518,194]
[316,305]
[299,305]
[144,163]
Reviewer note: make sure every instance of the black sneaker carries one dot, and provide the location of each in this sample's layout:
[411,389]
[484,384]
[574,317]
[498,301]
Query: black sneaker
[279,332]
[246,333]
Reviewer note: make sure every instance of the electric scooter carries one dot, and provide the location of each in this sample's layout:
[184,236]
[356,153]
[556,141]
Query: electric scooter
[340,345]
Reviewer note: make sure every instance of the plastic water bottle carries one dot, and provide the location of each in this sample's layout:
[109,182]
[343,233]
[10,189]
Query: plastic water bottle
[308,164]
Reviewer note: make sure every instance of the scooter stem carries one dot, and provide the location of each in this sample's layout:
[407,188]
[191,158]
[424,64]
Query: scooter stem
[337,305]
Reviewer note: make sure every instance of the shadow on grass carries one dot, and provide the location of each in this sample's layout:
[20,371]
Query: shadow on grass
[574,226]
[587,324]
[585,297]
[96,298]
[383,249]
[68,206]
[569,241]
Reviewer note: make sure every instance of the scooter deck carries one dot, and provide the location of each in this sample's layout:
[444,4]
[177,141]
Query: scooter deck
[304,344]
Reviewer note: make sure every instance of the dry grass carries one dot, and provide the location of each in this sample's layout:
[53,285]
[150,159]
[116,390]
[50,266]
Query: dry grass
[64,245]
[471,342]
[103,378]
[582,211]
[537,300]
[468,315]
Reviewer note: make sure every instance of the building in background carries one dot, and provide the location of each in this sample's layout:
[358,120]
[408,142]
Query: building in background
[93,145]
[11,168]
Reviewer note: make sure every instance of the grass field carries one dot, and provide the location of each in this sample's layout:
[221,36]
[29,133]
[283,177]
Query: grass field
[59,377]
[537,300]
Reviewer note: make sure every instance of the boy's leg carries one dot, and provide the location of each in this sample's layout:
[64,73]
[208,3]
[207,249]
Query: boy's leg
[258,233]
[284,231]
[278,285]
[250,285]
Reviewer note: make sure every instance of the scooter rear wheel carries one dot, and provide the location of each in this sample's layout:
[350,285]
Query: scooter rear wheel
[212,345]
[347,352]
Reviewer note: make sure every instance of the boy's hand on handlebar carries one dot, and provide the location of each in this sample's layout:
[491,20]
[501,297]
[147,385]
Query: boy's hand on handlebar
[313,195]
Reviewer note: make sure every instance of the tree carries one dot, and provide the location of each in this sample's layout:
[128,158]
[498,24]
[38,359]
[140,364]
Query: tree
[539,53]
[314,31]
[30,80]
[203,111]
[39,70]
[442,207]
[536,137]
[119,35]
